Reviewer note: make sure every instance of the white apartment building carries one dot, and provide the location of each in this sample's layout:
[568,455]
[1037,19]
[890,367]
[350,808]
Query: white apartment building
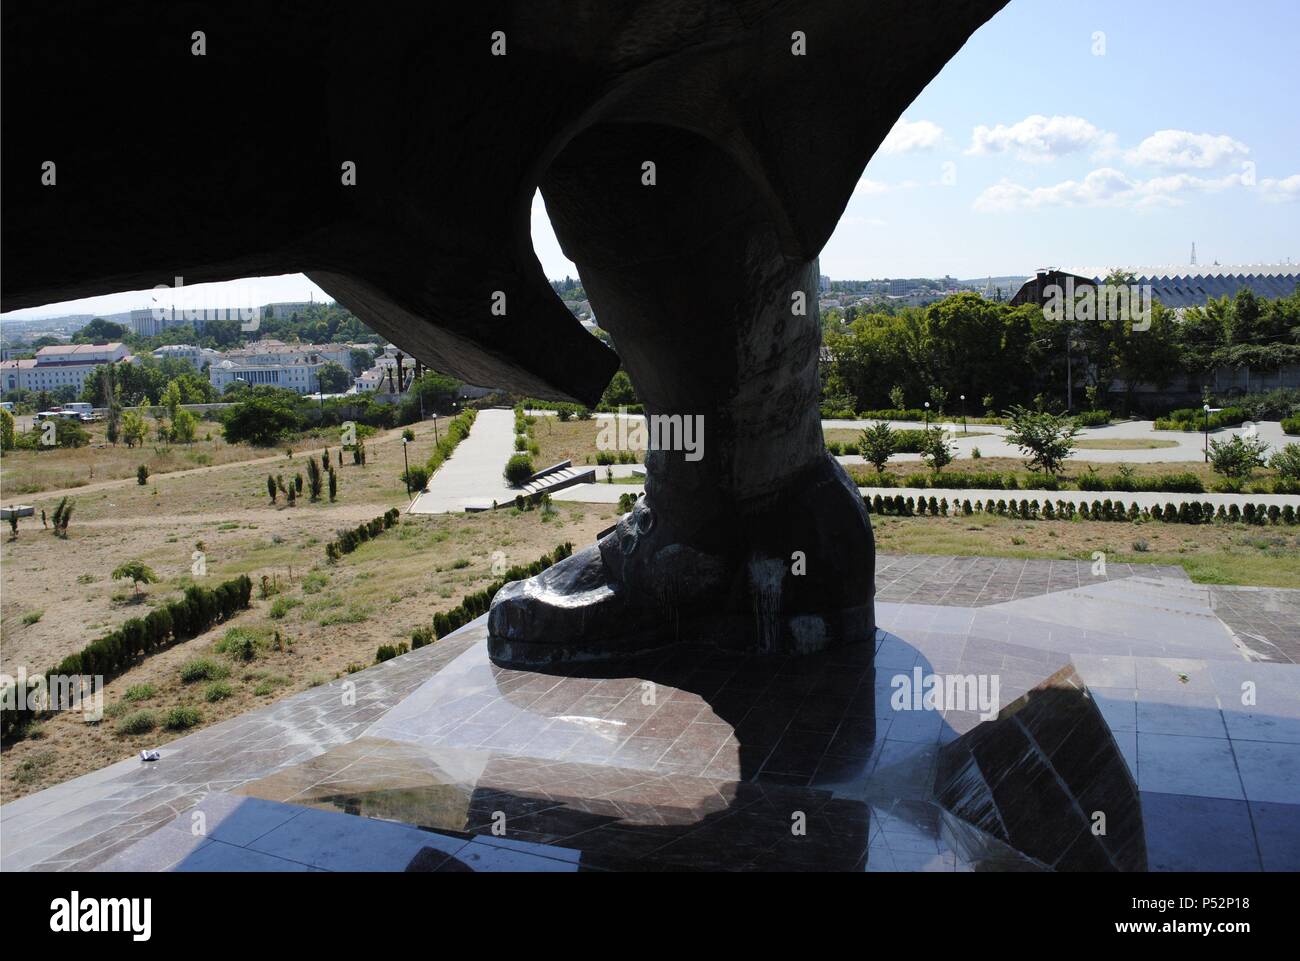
[270,351]
[302,377]
[55,367]
[197,357]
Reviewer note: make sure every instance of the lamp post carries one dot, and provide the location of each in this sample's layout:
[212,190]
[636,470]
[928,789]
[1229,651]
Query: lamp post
[407,473]
[963,413]
[927,415]
[1206,408]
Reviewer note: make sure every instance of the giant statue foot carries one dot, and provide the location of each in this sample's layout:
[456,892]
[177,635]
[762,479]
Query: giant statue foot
[792,577]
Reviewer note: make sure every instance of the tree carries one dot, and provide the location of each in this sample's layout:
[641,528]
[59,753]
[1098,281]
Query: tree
[897,398]
[935,449]
[170,398]
[142,475]
[262,419]
[1287,462]
[334,484]
[333,378]
[620,391]
[1048,439]
[137,573]
[6,430]
[133,427]
[67,433]
[876,444]
[100,331]
[360,360]
[184,426]
[270,487]
[313,478]
[431,392]
[1238,457]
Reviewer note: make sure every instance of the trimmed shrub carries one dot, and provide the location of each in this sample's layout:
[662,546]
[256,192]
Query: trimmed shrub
[182,717]
[137,722]
[203,669]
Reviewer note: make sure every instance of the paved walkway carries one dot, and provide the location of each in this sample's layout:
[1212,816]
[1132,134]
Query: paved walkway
[472,474]
[992,442]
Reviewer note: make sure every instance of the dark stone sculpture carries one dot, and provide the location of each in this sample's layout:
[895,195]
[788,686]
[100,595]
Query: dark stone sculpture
[758,118]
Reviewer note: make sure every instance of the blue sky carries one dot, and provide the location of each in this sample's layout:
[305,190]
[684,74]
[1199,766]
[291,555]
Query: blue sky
[1065,133]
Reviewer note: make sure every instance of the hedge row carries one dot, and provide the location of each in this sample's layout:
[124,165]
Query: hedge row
[198,610]
[1185,483]
[457,431]
[1193,418]
[349,541]
[473,605]
[963,480]
[1188,512]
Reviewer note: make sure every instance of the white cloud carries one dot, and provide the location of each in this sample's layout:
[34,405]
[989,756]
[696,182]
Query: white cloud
[1038,138]
[867,187]
[1105,187]
[1183,150]
[1281,191]
[907,136]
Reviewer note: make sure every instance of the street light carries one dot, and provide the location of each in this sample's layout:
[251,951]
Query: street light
[1206,408]
[927,415]
[407,474]
[963,413]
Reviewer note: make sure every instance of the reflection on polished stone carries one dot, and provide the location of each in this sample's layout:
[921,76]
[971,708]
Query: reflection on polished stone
[1048,778]
[696,761]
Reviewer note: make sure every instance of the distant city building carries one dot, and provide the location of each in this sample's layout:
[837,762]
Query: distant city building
[197,357]
[1177,287]
[1192,286]
[285,311]
[1037,289]
[302,377]
[151,321]
[55,367]
[274,363]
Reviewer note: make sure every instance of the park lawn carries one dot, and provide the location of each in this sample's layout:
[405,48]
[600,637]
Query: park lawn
[846,436]
[25,472]
[1211,554]
[1124,443]
[330,617]
[576,440]
[237,490]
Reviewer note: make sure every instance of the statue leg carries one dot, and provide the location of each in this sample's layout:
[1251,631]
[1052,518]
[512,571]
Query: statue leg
[749,535]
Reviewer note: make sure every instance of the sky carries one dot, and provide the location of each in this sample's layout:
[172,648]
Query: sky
[1066,133]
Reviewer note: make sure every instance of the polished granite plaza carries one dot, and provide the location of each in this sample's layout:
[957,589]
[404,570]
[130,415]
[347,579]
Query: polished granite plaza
[1171,708]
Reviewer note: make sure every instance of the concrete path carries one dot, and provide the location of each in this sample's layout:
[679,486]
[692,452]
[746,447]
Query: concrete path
[992,443]
[472,474]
